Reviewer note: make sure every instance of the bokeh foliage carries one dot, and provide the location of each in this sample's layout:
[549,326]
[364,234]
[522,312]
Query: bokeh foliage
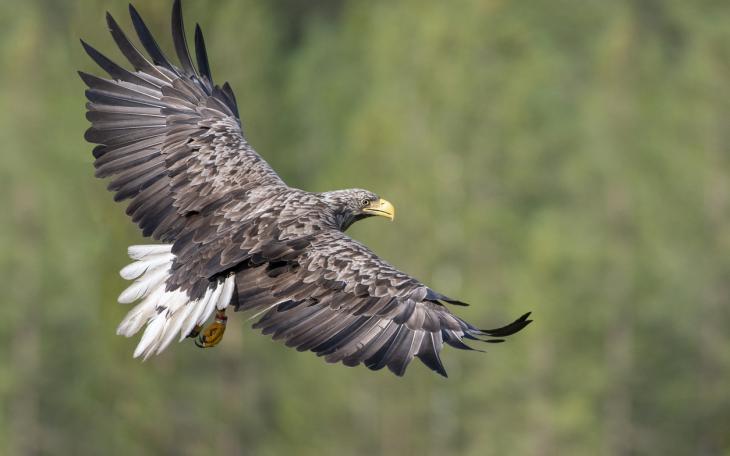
[568,157]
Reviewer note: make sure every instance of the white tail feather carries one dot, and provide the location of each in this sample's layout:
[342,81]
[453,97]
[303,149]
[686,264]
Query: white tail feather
[164,312]
[195,312]
[138,252]
[136,269]
[167,333]
[138,316]
[210,306]
[150,335]
[142,286]
[226,294]
[172,327]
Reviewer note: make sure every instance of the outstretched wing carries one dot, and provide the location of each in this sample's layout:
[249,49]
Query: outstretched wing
[330,294]
[168,135]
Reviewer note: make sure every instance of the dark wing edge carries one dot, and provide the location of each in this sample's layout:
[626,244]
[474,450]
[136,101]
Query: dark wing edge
[331,295]
[170,138]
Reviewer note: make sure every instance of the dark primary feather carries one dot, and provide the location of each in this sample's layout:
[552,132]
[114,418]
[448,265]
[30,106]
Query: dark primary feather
[202,55]
[114,70]
[172,142]
[178,37]
[148,41]
[135,57]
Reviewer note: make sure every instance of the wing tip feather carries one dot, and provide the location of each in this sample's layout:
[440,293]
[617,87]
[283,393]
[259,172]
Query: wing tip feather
[201,54]
[510,329]
[179,40]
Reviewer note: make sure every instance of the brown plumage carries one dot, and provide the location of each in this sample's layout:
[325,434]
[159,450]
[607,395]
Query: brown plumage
[172,142]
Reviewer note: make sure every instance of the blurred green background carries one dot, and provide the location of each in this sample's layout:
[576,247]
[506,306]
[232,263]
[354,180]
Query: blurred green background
[569,157]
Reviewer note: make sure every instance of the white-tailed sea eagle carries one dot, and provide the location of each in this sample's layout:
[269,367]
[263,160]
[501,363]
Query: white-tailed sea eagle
[232,233]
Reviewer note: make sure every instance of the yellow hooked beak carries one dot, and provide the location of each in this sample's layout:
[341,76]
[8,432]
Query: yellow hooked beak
[380,207]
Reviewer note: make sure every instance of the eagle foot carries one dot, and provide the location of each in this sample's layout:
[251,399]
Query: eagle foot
[213,333]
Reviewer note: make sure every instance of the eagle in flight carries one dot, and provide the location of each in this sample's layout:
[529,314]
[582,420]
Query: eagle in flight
[232,234]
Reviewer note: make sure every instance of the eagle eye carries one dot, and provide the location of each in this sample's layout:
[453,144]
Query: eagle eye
[365,202]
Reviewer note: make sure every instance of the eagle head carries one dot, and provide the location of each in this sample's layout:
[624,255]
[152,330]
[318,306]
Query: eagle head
[352,205]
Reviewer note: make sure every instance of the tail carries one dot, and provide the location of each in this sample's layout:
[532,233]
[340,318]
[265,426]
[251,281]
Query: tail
[165,312]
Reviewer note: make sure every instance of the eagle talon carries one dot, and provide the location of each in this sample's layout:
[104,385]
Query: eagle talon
[213,333]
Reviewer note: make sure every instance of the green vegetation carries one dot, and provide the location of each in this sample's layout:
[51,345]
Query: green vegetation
[567,157]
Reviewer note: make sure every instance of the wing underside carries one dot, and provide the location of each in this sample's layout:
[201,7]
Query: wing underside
[339,300]
[169,138]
